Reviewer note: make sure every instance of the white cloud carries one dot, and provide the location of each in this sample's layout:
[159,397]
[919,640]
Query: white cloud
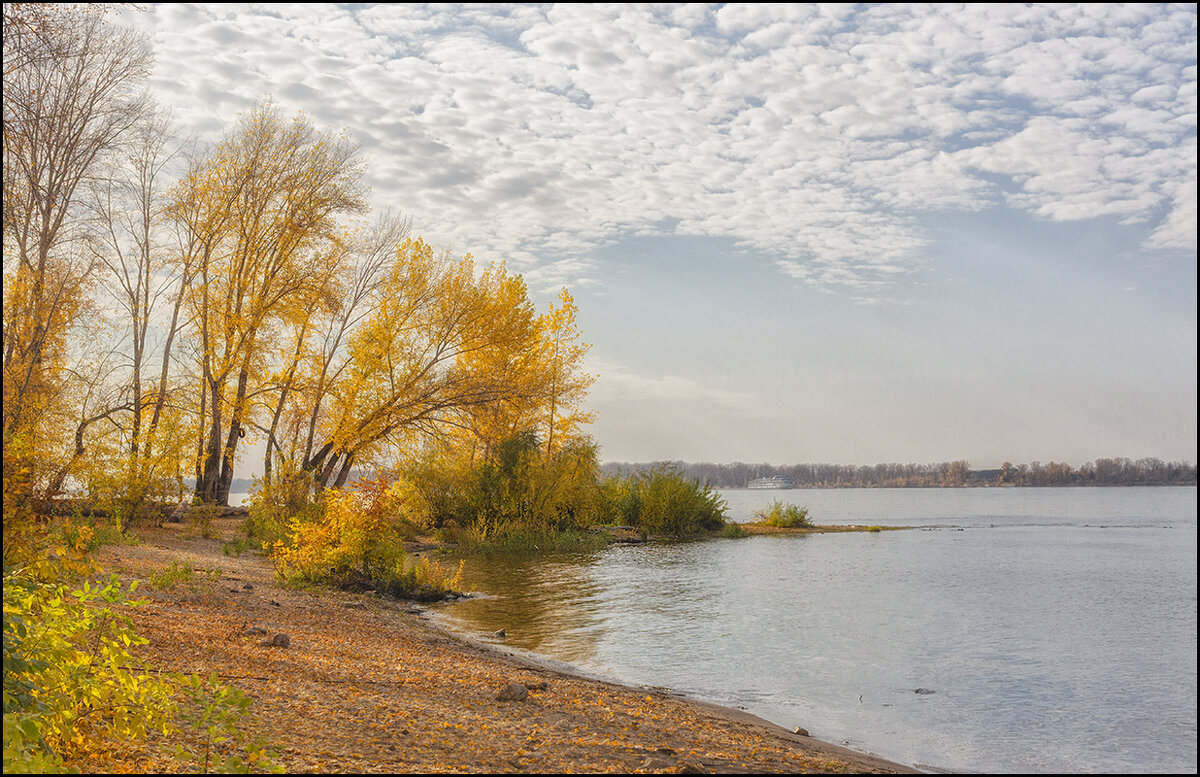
[618,384]
[1178,230]
[816,134]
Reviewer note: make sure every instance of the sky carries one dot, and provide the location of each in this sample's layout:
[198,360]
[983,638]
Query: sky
[841,233]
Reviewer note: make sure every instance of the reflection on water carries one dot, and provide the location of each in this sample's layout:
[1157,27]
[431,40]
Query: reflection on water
[1056,627]
[548,605]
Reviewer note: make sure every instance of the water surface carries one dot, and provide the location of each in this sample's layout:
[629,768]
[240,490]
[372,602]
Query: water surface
[1048,630]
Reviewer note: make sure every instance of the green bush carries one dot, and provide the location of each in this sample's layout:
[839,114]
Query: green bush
[663,501]
[515,491]
[514,540]
[182,573]
[621,500]
[518,489]
[734,531]
[784,516]
[519,500]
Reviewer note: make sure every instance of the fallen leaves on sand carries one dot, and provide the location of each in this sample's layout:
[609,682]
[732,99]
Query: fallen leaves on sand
[371,688]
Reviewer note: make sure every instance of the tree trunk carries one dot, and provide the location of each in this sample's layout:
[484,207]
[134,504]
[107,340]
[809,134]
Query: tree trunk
[345,471]
[207,483]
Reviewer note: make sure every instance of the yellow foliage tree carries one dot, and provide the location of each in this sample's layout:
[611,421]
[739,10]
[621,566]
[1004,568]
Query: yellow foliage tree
[549,368]
[568,383]
[318,354]
[260,213]
[424,354]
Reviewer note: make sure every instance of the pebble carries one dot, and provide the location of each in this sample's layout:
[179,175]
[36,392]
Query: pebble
[513,692]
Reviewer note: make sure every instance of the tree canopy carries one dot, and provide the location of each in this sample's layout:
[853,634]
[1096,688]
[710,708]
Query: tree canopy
[167,305]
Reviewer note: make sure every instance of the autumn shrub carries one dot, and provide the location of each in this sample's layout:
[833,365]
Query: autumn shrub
[124,499]
[516,497]
[128,497]
[275,504]
[356,541]
[75,697]
[107,534]
[89,535]
[783,516]
[663,501]
[70,687]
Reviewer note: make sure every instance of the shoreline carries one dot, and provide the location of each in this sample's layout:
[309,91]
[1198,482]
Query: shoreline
[871,762]
[369,684]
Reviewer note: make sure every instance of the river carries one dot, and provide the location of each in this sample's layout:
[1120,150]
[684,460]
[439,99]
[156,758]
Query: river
[1015,630]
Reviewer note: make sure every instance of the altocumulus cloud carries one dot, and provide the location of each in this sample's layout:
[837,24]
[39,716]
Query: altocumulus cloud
[818,135]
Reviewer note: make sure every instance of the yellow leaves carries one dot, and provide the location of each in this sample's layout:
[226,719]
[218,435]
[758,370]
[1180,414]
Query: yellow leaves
[444,338]
[69,698]
[357,538]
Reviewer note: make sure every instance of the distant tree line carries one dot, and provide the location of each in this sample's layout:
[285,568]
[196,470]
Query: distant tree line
[1101,472]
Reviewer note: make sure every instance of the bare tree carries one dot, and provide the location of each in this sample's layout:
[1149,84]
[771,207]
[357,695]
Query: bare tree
[73,90]
[147,278]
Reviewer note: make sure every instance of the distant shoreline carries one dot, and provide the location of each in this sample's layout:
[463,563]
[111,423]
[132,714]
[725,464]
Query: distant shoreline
[1116,472]
[946,474]
[967,486]
[240,486]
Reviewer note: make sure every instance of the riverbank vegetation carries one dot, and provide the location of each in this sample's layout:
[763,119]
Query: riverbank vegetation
[783,516]
[166,305]
[516,501]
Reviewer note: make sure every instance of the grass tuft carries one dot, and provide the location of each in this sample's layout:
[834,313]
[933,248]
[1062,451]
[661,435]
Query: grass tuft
[784,516]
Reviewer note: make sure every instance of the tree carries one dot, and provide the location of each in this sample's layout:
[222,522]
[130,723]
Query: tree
[427,353]
[319,357]
[550,371]
[140,271]
[568,383]
[73,90]
[261,214]
[956,473]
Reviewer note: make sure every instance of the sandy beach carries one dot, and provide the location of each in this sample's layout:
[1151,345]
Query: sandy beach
[367,684]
